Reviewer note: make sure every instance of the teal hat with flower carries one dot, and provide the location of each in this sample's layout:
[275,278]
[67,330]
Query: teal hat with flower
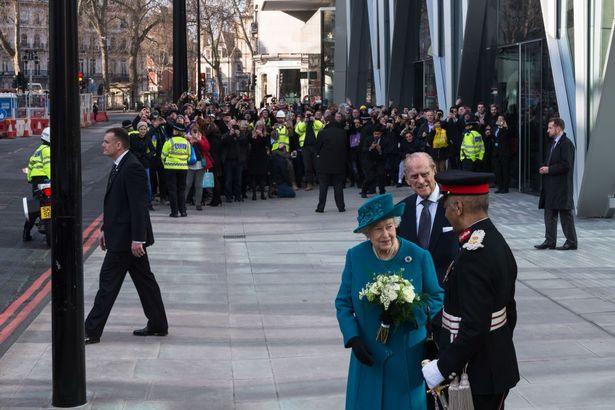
[376,209]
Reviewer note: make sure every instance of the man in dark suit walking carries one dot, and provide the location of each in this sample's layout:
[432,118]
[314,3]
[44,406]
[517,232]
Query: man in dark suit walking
[125,234]
[332,151]
[423,221]
[557,189]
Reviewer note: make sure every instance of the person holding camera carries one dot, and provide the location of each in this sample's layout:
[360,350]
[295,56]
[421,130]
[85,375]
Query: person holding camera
[234,154]
[374,161]
[307,130]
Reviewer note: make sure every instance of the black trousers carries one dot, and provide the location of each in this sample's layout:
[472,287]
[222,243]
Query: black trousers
[112,274]
[489,401]
[375,175]
[310,160]
[233,171]
[567,219]
[337,180]
[501,167]
[176,184]
[469,165]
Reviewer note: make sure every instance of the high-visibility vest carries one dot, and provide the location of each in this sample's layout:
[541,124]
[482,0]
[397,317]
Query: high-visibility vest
[283,136]
[39,164]
[175,153]
[301,130]
[472,146]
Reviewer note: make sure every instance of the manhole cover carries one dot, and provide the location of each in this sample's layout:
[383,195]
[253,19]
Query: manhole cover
[234,237]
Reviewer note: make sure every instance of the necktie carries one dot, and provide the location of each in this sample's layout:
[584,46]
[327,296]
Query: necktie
[424,230]
[551,151]
[112,174]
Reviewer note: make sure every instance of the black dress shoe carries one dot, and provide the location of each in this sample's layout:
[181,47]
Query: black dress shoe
[363,195]
[183,214]
[173,215]
[545,245]
[151,208]
[342,210]
[567,247]
[320,211]
[91,340]
[147,332]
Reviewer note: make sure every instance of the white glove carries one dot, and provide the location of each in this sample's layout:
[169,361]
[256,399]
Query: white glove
[432,374]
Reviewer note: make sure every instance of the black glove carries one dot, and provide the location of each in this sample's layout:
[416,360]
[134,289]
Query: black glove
[360,351]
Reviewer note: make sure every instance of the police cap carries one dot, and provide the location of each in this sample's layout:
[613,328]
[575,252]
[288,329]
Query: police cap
[457,182]
[127,124]
[178,127]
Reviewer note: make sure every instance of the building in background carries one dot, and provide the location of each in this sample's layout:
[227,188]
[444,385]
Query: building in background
[294,48]
[34,36]
[533,58]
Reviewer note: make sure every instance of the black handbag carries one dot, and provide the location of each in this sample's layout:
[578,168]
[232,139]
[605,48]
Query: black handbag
[431,346]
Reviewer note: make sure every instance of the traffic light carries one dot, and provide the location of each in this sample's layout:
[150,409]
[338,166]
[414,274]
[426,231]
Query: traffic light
[202,80]
[253,80]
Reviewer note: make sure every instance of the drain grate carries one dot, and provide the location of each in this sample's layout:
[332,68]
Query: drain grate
[234,237]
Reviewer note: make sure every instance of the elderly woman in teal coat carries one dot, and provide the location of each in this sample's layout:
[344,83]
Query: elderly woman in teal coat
[385,376]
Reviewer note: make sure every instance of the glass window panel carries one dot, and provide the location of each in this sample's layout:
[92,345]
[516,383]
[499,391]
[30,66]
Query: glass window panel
[519,21]
[570,28]
[424,36]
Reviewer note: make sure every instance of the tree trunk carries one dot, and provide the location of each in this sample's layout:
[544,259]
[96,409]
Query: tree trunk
[133,75]
[17,56]
[105,61]
[218,76]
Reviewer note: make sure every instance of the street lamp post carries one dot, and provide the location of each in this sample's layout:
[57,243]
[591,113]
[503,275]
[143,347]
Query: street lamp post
[180,57]
[67,331]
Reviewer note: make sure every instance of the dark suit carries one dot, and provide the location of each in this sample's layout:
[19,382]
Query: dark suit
[332,151]
[481,282]
[126,220]
[443,246]
[556,195]
[501,157]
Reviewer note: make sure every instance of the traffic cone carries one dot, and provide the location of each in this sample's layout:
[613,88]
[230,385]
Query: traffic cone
[27,131]
[11,132]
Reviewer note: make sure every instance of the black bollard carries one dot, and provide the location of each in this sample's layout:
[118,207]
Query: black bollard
[67,329]
[180,56]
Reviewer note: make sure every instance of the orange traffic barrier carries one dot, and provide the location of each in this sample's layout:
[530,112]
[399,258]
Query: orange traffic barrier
[27,131]
[3,127]
[36,126]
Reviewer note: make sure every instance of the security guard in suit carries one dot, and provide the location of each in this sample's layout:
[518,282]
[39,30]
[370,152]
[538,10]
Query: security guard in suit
[479,313]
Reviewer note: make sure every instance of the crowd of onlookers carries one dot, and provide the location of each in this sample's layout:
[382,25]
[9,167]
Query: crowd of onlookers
[239,149]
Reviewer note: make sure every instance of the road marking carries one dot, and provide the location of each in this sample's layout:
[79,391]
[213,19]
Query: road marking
[42,285]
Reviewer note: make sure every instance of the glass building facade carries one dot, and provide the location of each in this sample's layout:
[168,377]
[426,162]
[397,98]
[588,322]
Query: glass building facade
[534,59]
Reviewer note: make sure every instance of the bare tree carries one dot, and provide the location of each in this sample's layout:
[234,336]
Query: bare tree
[140,17]
[96,12]
[217,18]
[12,47]
[244,8]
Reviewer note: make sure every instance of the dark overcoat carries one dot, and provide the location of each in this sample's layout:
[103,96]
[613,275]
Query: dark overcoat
[332,149]
[557,190]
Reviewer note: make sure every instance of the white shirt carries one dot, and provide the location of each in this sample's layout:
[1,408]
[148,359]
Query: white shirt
[119,159]
[433,206]
[557,140]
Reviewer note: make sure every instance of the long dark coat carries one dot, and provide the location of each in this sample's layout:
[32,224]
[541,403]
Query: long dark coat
[258,158]
[557,190]
[332,149]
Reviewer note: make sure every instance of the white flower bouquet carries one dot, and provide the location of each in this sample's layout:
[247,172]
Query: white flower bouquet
[397,297]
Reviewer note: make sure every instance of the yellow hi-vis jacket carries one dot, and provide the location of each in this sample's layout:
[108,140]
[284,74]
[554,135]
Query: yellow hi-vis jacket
[39,164]
[175,153]
[301,130]
[472,146]
[283,136]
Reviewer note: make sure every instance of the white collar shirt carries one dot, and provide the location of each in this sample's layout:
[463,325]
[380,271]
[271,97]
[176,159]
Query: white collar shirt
[433,206]
[119,159]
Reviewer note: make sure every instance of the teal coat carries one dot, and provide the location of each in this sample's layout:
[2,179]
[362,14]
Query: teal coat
[395,380]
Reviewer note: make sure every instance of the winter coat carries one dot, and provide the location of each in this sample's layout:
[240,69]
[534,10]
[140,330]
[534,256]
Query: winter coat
[394,381]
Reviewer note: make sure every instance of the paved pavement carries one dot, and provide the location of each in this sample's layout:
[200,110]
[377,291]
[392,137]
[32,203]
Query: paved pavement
[21,264]
[249,292]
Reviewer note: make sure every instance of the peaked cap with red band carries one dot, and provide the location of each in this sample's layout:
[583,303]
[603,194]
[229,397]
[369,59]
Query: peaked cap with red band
[456,182]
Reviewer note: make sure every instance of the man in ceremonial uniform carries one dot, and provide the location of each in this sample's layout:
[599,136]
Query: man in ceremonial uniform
[479,313]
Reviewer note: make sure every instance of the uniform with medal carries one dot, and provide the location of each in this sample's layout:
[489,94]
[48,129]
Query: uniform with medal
[479,313]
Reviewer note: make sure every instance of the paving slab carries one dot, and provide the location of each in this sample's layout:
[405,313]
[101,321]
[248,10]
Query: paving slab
[249,291]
